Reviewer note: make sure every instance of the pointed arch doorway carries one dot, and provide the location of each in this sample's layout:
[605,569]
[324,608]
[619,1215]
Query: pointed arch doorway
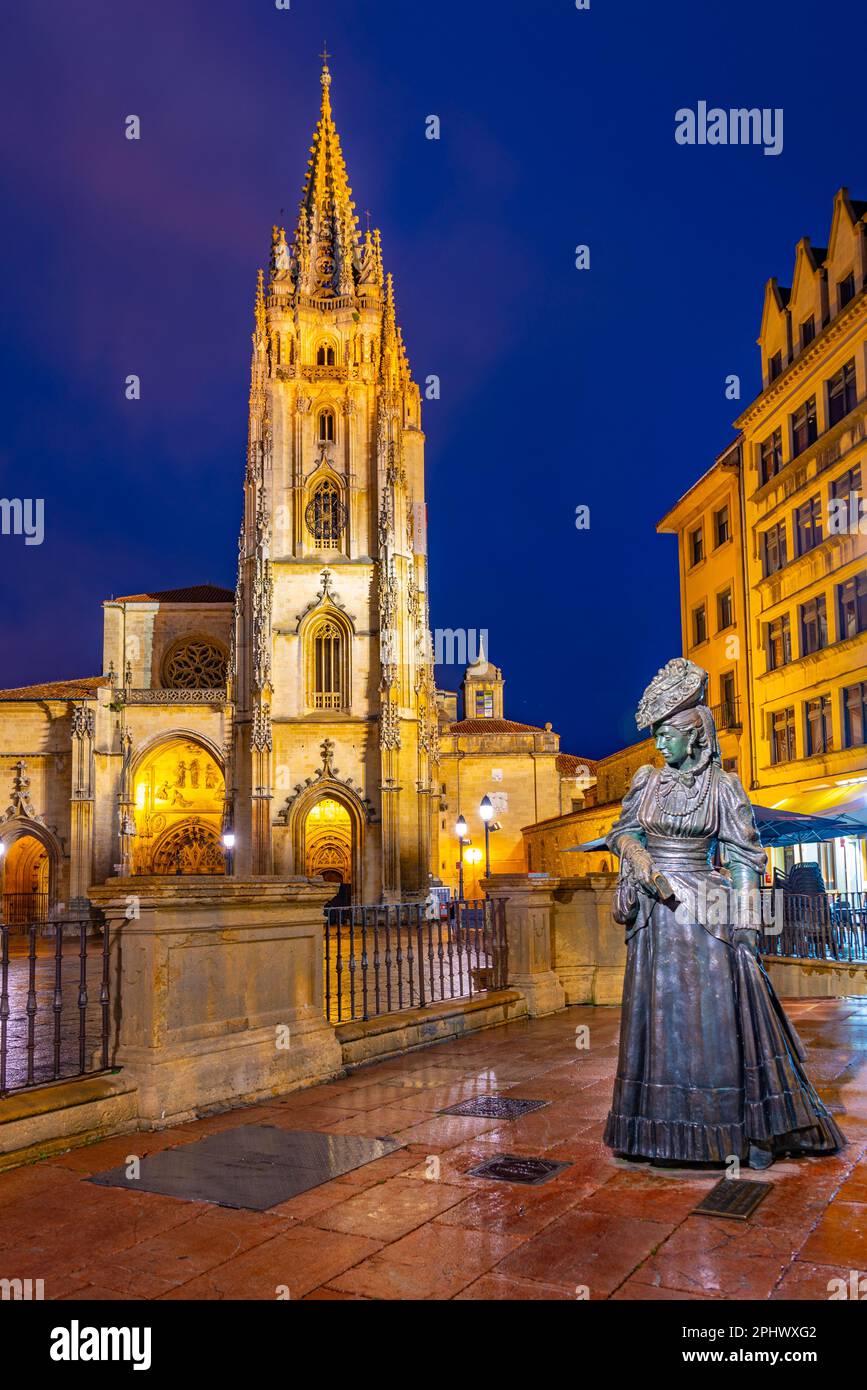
[328,847]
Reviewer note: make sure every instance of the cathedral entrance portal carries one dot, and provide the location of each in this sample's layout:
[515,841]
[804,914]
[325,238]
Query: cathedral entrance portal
[328,847]
[25,882]
[179,797]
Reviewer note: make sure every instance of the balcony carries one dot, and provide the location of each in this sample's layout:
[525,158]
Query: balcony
[727,715]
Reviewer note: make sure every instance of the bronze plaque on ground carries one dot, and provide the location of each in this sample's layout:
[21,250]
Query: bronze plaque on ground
[734,1198]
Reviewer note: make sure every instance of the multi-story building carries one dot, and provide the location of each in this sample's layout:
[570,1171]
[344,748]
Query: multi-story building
[707,521]
[794,486]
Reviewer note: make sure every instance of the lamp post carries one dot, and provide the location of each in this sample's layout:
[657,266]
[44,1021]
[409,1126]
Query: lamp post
[461,832]
[486,811]
[229,846]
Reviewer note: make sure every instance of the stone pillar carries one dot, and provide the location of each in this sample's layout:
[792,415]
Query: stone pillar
[81,806]
[528,901]
[588,950]
[216,989]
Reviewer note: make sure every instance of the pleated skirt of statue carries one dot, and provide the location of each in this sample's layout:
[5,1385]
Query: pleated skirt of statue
[708,1061]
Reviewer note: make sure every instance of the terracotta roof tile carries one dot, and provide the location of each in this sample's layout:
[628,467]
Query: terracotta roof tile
[198,593]
[84,688]
[569,763]
[493,726]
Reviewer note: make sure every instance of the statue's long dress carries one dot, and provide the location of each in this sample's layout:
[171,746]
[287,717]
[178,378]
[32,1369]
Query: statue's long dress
[709,1062]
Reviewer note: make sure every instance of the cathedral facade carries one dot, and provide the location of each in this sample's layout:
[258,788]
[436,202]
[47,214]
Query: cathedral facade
[290,726]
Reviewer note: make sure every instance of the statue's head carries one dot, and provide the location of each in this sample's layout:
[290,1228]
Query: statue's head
[687,739]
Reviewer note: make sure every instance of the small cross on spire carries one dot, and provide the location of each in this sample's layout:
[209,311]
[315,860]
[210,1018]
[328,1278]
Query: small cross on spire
[325,55]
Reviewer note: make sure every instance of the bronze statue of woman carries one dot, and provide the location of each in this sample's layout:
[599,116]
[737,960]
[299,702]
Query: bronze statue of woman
[710,1067]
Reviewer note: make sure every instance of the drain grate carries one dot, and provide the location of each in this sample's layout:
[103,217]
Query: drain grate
[495,1107]
[735,1198]
[530,1172]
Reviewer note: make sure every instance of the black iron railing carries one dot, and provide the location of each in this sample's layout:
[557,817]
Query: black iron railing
[54,1002]
[819,926]
[382,959]
[727,715]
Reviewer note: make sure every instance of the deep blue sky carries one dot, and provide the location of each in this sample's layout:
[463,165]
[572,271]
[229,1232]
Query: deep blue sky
[559,387]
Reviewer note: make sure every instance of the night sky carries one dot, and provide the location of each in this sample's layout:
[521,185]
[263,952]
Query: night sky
[559,387]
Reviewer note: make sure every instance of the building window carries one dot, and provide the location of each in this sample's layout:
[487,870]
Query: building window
[730,765]
[808,526]
[774,554]
[845,290]
[485,703]
[855,715]
[783,735]
[696,546]
[775,366]
[326,516]
[820,737]
[722,526]
[325,356]
[699,626]
[841,393]
[728,710]
[804,429]
[808,332]
[814,626]
[326,426]
[778,642]
[846,484]
[725,610]
[852,606]
[327,692]
[771,451]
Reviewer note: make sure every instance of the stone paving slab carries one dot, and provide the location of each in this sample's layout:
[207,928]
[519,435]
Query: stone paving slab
[415,1224]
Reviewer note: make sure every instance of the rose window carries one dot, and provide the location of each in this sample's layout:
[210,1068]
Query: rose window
[197,665]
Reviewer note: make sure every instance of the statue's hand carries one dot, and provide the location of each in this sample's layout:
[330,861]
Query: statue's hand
[640,863]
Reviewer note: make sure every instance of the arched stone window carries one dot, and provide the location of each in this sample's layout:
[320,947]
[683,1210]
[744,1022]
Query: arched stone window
[326,515]
[326,425]
[195,663]
[325,355]
[327,684]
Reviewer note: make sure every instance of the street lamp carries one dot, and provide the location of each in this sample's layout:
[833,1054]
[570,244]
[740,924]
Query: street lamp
[228,846]
[486,811]
[461,832]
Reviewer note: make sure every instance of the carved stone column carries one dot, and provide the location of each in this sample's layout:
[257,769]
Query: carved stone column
[81,807]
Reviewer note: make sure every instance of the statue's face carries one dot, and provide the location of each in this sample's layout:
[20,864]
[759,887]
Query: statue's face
[674,744]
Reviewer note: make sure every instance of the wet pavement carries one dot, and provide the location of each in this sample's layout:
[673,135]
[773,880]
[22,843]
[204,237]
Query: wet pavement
[416,1224]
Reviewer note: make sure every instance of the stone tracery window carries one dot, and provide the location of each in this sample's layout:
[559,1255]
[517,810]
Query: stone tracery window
[326,425]
[328,675]
[326,515]
[325,356]
[195,664]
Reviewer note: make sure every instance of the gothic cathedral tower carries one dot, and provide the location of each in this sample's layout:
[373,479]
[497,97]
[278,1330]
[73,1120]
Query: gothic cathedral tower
[334,748]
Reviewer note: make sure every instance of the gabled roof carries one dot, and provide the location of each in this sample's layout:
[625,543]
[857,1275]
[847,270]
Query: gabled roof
[82,688]
[198,593]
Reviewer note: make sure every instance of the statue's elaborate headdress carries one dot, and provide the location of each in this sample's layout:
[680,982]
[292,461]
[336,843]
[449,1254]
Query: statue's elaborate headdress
[677,686]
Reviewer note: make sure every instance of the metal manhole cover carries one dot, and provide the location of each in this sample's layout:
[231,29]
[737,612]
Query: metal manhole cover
[517,1168]
[495,1107]
[734,1198]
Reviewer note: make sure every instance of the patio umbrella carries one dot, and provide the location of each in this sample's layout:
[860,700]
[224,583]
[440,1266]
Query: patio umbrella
[777,828]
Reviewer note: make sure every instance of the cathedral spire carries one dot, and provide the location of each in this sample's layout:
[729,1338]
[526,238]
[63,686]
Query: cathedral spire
[326,242]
